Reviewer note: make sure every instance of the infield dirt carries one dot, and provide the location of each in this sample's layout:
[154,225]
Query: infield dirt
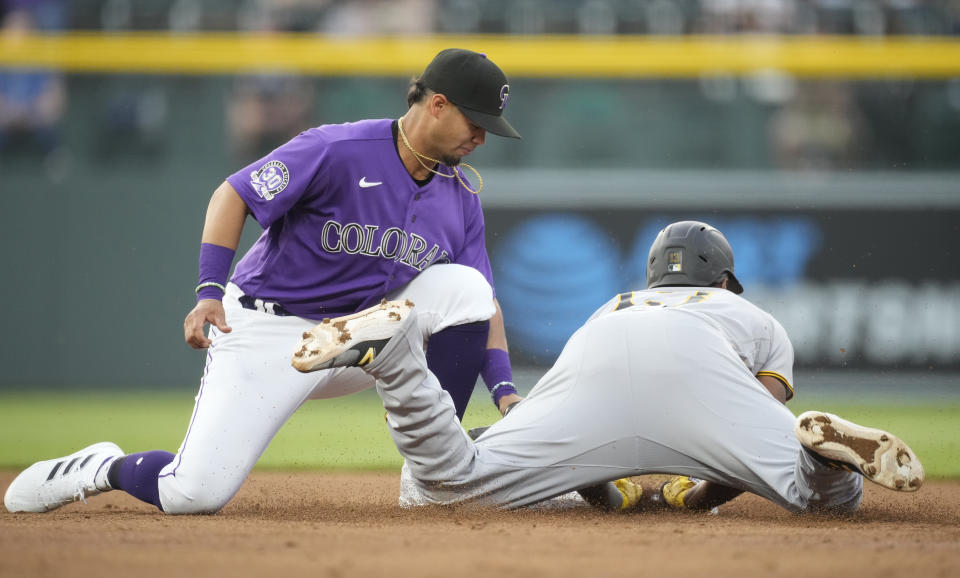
[344,525]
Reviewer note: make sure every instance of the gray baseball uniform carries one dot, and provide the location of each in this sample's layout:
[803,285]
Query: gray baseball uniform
[657,381]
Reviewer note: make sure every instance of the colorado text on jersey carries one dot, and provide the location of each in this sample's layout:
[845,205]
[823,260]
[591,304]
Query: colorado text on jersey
[394,243]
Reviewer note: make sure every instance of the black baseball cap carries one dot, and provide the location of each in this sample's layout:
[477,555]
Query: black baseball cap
[475,84]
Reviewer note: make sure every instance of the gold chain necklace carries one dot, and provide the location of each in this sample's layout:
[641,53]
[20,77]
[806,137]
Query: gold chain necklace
[454,171]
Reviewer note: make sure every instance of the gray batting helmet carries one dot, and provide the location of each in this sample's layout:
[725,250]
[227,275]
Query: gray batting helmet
[691,253]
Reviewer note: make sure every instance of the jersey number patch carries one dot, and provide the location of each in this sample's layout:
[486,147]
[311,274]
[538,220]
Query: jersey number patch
[270,180]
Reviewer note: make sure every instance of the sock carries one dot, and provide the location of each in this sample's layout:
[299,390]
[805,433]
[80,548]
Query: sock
[138,475]
[101,478]
[455,356]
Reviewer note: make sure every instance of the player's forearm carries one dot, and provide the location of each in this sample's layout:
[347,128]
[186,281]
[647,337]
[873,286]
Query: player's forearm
[497,337]
[775,387]
[496,370]
[225,216]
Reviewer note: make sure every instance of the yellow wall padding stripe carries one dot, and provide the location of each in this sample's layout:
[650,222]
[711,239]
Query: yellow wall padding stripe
[526,56]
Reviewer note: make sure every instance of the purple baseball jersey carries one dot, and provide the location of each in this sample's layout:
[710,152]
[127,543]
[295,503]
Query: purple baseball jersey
[345,223]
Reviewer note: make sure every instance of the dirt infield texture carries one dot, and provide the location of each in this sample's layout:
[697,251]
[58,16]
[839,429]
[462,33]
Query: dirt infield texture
[344,525]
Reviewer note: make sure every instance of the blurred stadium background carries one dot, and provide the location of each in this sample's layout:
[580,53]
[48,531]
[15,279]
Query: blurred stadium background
[822,136]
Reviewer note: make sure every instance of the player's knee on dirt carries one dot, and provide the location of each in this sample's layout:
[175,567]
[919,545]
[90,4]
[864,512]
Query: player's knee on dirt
[196,496]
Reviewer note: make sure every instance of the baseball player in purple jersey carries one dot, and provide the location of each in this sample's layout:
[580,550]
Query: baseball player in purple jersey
[351,214]
[684,377]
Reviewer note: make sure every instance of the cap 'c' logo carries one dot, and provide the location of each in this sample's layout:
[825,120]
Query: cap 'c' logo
[504,96]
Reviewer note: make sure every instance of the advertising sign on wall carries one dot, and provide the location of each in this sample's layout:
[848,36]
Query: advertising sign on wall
[854,288]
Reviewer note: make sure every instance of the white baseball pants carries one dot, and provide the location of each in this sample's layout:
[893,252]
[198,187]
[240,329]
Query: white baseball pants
[249,389]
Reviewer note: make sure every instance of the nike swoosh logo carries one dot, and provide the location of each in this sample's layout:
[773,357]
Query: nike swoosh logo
[365,184]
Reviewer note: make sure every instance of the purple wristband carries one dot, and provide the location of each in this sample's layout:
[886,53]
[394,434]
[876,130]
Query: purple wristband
[497,374]
[215,264]
[501,390]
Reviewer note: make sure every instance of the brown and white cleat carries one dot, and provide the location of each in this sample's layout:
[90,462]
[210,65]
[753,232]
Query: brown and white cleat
[352,340]
[880,456]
